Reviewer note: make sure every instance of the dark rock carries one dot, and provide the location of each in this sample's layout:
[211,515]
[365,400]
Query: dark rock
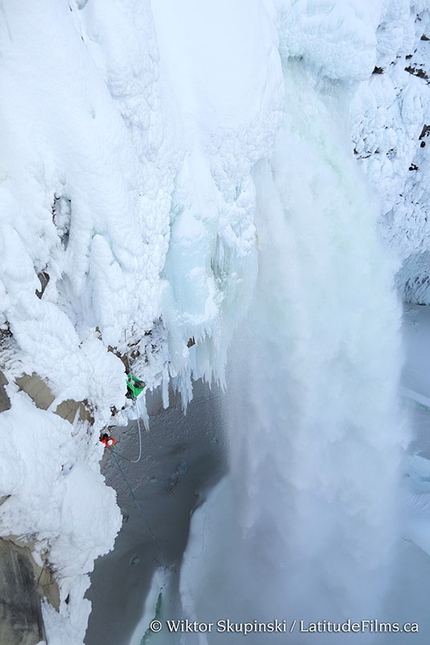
[4,399]
[417,71]
[21,621]
[425,131]
[44,279]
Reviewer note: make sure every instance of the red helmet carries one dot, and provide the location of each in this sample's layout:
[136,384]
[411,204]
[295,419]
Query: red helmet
[107,440]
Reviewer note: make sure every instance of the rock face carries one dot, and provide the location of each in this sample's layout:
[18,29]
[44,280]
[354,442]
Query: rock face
[41,393]
[4,399]
[21,620]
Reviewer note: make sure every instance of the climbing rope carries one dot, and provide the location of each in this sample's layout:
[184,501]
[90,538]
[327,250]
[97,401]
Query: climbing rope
[139,508]
[139,432]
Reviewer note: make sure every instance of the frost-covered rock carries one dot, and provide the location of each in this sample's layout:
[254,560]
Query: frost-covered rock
[390,119]
[130,135]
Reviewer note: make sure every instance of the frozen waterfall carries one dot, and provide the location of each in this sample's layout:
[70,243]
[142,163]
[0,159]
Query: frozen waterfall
[305,525]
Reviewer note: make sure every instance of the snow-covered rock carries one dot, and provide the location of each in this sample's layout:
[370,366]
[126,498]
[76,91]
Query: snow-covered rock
[390,119]
[130,131]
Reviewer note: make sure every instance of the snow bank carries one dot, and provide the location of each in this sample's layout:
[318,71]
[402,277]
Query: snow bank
[86,175]
[126,236]
[130,130]
[57,499]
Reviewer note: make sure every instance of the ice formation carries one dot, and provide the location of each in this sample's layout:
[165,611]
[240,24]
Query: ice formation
[306,523]
[390,117]
[131,132]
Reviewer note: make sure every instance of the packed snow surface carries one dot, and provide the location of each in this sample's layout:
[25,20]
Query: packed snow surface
[140,191]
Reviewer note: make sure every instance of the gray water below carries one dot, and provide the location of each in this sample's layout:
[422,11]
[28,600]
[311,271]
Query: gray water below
[183,456]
